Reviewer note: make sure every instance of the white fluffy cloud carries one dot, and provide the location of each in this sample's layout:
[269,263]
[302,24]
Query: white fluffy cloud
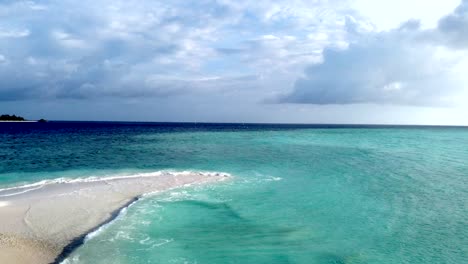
[226,53]
[70,49]
[404,66]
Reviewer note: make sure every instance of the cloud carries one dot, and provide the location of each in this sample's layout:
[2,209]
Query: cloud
[403,66]
[13,33]
[87,50]
[98,48]
[453,29]
[91,49]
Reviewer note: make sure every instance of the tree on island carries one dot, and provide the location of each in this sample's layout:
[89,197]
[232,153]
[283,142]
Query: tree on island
[11,118]
[17,118]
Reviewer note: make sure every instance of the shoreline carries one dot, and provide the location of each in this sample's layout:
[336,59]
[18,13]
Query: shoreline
[80,240]
[46,223]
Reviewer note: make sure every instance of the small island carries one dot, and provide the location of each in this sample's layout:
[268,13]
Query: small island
[11,118]
[15,118]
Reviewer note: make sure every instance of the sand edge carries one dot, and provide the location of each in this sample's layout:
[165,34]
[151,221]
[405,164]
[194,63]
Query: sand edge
[46,224]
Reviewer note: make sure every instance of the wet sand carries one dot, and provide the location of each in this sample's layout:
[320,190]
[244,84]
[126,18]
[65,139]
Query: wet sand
[44,223]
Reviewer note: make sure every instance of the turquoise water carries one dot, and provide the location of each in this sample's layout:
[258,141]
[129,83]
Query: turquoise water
[298,195]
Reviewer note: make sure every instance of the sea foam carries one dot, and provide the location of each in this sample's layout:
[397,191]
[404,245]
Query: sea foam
[21,189]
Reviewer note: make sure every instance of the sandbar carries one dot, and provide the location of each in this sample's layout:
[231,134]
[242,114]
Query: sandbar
[43,223]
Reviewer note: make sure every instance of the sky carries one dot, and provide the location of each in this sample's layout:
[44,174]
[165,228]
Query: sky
[283,61]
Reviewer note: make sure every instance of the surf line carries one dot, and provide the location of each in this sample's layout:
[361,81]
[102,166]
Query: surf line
[80,240]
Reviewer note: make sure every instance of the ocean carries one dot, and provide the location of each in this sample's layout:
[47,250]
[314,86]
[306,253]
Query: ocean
[298,193]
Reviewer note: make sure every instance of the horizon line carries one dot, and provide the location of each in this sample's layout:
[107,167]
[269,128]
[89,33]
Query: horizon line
[245,123]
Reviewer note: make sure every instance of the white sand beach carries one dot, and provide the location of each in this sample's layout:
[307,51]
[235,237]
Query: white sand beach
[37,222]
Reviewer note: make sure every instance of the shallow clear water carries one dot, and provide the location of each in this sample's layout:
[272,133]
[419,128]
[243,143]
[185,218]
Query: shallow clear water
[299,194]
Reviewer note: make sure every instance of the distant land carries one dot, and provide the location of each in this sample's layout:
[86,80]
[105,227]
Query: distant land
[11,118]
[15,118]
